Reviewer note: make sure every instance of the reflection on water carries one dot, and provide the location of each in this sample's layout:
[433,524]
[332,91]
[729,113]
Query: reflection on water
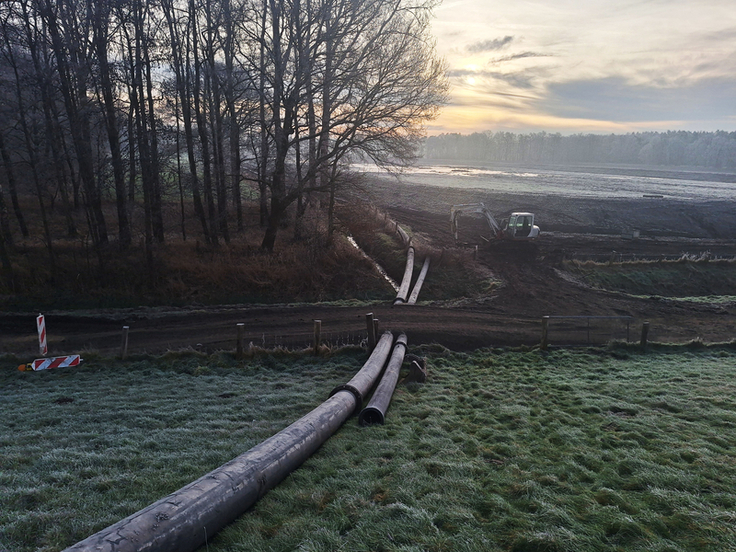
[566,183]
[378,267]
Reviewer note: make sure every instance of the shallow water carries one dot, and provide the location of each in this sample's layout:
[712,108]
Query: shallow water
[595,182]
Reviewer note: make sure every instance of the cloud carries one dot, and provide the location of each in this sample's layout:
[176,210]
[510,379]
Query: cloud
[489,45]
[615,99]
[491,102]
[605,65]
[526,79]
[513,57]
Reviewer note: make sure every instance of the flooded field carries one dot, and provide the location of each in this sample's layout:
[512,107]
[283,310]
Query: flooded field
[591,182]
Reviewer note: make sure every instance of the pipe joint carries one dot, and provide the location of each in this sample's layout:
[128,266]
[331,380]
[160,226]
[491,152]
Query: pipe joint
[352,390]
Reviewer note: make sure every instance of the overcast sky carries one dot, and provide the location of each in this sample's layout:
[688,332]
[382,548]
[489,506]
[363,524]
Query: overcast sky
[588,65]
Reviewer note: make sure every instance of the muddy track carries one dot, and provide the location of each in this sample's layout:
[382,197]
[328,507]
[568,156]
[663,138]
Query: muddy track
[510,316]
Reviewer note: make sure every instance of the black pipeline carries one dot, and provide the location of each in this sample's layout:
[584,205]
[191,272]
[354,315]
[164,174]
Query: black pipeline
[403,294]
[187,518]
[375,412]
[363,381]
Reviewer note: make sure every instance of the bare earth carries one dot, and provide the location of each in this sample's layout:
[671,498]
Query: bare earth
[510,317]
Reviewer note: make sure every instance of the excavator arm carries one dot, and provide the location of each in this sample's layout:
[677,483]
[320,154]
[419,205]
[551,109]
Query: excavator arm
[473,208]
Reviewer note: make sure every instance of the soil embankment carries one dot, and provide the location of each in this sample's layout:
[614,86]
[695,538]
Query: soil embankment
[531,282]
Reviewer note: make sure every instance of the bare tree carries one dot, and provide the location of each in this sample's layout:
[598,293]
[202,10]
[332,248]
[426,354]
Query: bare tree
[101,14]
[373,67]
[68,27]
[304,85]
[179,25]
[31,149]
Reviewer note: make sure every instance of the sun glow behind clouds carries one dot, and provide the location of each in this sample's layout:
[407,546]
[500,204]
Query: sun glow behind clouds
[598,66]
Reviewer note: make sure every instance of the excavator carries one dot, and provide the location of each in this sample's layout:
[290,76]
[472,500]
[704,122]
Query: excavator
[518,227]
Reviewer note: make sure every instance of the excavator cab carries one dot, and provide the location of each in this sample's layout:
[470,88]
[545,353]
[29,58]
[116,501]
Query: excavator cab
[521,227]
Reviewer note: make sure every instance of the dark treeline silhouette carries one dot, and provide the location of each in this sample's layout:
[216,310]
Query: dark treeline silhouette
[138,105]
[716,150]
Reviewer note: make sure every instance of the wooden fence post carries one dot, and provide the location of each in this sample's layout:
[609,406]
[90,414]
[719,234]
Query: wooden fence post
[124,343]
[545,333]
[239,345]
[317,335]
[644,334]
[371,327]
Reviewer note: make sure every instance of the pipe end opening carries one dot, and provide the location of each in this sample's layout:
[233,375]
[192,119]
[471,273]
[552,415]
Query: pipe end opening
[371,416]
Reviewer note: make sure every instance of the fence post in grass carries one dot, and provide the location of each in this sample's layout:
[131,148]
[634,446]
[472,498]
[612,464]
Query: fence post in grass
[124,343]
[376,333]
[644,334]
[317,335]
[371,327]
[239,344]
[545,333]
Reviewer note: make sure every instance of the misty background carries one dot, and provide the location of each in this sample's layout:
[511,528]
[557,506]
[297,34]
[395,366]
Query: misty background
[713,150]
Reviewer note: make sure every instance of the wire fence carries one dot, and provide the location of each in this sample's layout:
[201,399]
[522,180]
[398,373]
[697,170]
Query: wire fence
[299,341]
[588,330]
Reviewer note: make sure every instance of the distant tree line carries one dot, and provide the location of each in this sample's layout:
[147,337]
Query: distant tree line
[716,150]
[144,103]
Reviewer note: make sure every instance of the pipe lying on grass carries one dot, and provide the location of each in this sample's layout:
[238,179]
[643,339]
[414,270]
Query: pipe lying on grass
[419,283]
[406,281]
[187,518]
[363,381]
[375,412]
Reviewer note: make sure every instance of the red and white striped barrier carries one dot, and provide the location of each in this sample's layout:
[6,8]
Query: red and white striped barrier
[42,344]
[49,363]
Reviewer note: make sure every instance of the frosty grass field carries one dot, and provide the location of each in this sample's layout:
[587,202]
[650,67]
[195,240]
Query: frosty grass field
[611,449]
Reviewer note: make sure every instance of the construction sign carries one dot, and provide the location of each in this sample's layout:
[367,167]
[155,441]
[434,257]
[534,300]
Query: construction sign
[49,363]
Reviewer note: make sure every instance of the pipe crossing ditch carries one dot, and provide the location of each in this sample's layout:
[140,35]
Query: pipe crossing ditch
[185,520]
[403,297]
[419,283]
[403,293]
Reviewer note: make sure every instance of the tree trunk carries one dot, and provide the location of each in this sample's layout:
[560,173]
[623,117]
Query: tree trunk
[274,220]
[264,152]
[132,164]
[202,128]
[234,137]
[178,168]
[5,244]
[281,138]
[137,99]
[212,91]
[75,100]
[180,56]
[157,220]
[100,39]
[31,150]
[12,187]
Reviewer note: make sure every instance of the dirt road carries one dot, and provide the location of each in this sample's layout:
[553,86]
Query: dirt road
[533,285]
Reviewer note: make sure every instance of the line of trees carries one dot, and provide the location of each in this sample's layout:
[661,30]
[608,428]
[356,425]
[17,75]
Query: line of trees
[715,150]
[143,102]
